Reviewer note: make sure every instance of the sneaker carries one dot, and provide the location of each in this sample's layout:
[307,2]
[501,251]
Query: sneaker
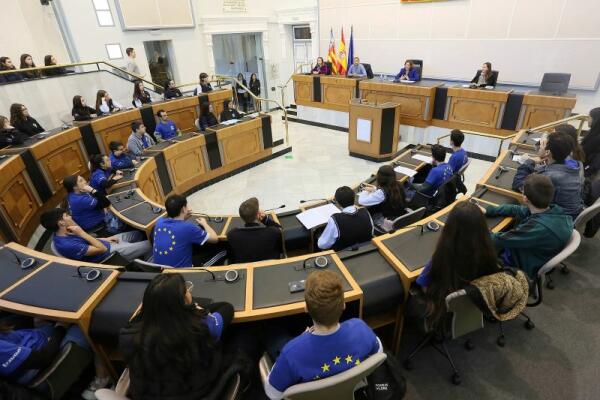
[96,384]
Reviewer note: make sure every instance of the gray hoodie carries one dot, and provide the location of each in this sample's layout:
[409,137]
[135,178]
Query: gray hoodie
[566,178]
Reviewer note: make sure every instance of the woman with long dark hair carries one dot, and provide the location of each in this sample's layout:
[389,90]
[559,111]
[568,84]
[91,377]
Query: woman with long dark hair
[408,72]
[140,95]
[242,94]
[22,121]
[26,63]
[591,144]
[173,346]
[255,89]
[464,252]
[229,111]
[9,136]
[6,64]
[105,104]
[386,200]
[485,76]
[81,111]
[207,117]
[50,60]
[204,85]
[170,91]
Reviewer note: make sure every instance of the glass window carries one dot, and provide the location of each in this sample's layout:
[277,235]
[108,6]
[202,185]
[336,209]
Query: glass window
[114,51]
[103,13]
[302,33]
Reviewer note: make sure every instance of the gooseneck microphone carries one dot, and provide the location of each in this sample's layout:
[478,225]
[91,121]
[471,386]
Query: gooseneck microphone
[212,274]
[501,170]
[24,263]
[277,208]
[311,200]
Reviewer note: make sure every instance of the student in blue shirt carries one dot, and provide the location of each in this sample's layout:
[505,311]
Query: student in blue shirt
[172,346]
[328,347]
[459,155]
[352,227]
[408,72]
[165,129]
[439,174]
[357,69]
[72,242]
[119,159]
[86,204]
[103,177]
[174,237]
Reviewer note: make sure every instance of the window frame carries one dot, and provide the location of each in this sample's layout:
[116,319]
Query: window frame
[96,10]
[108,52]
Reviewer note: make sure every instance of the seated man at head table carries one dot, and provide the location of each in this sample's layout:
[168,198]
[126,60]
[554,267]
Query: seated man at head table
[439,174]
[352,227]
[72,241]
[328,347]
[408,72]
[357,69]
[259,239]
[385,201]
[139,140]
[119,158]
[166,128]
[459,157]
[542,231]
[566,175]
[174,237]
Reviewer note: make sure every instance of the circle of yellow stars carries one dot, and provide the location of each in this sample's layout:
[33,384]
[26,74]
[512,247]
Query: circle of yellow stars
[171,236]
[337,361]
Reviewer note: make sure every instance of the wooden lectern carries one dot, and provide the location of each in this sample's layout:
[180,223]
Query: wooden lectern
[373,133]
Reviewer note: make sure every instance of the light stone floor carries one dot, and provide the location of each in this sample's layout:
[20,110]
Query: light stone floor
[318,164]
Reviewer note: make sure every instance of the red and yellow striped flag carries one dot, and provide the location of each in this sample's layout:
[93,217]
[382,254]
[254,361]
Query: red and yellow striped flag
[331,55]
[342,56]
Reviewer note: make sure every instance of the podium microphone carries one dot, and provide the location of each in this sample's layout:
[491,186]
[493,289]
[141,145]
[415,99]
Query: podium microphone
[501,170]
[276,208]
[311,200]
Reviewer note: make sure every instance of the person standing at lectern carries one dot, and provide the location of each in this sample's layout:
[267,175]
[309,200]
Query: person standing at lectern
[321,68]
[357,70]
[408,72]
[352,227]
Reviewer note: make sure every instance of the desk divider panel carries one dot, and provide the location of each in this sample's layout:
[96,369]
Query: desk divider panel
[270,285]
[267,133]
[219,290]
[317,88]
[89,139]
[149,119]
[36,175]
[388,116]
[212,148]
[56,287]
[163,173]
[512,110]
[439,104]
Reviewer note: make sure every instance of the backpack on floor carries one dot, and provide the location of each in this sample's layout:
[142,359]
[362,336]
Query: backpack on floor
[386,382]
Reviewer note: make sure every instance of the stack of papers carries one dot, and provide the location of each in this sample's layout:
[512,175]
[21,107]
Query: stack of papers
[317,216]
[422,157]
[230,122]
[406,171]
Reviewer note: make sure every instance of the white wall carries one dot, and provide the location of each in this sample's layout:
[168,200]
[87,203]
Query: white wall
[192,48]
[29,27]
[522,38]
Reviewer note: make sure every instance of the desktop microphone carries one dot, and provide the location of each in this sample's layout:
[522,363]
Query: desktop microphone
[216,219]
[24,263]
[212,274]
[432,226]
[311,200]
[276,208]
[155,210]
[318,262]
[528,132]
[501,170]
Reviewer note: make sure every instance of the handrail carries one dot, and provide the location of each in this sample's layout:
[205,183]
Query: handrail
[80,64]
[255,97]
[284,86]
[579,117]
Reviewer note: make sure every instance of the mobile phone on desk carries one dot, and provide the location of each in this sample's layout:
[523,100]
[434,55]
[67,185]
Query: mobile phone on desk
[297,286]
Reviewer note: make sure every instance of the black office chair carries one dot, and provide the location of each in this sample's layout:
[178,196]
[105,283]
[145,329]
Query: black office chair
[368,70]
[330,65]
[443,197]
[418,64]
[554,82]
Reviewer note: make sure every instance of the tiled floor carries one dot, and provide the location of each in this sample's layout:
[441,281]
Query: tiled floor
[318,164]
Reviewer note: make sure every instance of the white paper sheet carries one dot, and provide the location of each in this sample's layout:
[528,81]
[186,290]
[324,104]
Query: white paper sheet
[406,171]
[363,130]
[317,216]
[422,157]
[230,122]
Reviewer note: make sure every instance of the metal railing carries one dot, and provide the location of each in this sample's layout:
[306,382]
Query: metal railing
[284,86]
[579,117]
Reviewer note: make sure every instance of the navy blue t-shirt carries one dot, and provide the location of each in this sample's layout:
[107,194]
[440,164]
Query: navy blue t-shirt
[16,346]
[438,176]
[84,211]
[121,162]
[75,247]
[99,176]
[174,240]
[166,130]
[309,357]
[458,159]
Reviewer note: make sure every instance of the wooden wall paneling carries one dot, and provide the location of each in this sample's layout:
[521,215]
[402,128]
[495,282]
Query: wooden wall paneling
[303,88]
[186,163]
[116,127]
[239,141]
[474,112]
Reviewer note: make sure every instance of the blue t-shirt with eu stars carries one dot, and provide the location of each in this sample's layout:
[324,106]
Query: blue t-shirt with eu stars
[174,240]
[438,176]
[309,357]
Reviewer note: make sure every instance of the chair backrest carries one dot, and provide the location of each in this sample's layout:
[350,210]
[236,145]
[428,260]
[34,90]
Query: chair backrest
[462,169]
[586,215]
[53,248]
[446,193]
[368,70]
[146,266]
[569,249]
[340,386]
[466,317]
[555,82]
[330,65]
[418,64]
[409,218]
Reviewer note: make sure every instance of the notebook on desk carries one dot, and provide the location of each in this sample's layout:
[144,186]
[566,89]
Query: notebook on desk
[317,216]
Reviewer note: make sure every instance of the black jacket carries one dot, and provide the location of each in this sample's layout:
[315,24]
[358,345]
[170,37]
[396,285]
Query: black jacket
[255,242]
[11,137]
[7,78]
[83,113]
[255,87]
[172,93]
[29,126]
[228,114]
[490,81]
[591,148]
[54,71]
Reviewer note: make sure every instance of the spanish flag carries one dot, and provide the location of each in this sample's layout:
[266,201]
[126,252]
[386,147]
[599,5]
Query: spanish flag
[331,55]
[342,57]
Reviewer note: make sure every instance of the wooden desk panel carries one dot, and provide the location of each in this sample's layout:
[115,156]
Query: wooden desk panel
[240,141]
[303,89]
[18,200]
[148,182]
[182,111]
[476,107]
[540,109]
[217,97]
[186,163]
[116,127]
[336,92]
